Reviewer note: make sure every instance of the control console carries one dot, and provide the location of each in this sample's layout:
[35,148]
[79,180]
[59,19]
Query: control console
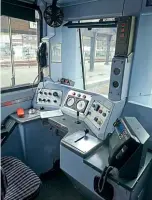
[49,97]
[77,101]
[98,114]
[96,111]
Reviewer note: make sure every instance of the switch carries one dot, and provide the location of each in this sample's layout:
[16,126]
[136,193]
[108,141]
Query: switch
[84,96]
[96,119]
[79,95]
[40,99]
[96,107]
[41,92]
[99,122]
[104,114]
[48,100]
[100,111]
[45,93]
[89,113]
[50,93]
[93,105]
[55,101]
[44,100]
[55,94]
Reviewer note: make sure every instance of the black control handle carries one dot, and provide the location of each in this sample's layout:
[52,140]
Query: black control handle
[86,131]
[78,122]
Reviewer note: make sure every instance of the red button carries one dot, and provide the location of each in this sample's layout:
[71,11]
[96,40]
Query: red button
[100,111]
[73,93]
[123,25]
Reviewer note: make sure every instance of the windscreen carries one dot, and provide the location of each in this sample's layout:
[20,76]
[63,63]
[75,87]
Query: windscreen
[98,48]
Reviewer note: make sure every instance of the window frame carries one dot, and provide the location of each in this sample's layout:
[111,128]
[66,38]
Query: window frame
[28,85]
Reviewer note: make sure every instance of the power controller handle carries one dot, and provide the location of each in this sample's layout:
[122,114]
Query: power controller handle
[78,122]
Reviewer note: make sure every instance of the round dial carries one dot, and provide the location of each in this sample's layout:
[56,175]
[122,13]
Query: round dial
[70,101]
[81,105]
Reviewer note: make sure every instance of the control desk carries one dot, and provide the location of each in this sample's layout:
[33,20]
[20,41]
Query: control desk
[96,111]
[87,120]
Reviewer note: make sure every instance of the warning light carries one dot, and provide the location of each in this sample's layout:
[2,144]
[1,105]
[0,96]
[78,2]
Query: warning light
[20,112]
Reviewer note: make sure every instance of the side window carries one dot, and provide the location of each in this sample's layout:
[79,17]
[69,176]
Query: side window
[98,46]
[5,54]
[18,51]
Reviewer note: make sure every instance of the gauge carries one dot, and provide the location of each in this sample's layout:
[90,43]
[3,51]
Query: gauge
[81,105]
[70,101]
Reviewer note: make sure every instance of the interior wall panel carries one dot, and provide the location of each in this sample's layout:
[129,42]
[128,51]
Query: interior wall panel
[20,95]
[94,9]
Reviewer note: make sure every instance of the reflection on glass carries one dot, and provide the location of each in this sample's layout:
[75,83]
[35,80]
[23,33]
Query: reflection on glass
[98,51]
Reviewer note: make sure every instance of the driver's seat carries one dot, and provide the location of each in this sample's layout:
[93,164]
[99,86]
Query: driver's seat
[18,182]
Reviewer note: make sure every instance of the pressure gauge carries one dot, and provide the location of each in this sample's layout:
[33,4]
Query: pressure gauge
[81,105]
[70,101]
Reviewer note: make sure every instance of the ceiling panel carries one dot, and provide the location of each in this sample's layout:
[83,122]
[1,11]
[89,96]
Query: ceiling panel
[69,2]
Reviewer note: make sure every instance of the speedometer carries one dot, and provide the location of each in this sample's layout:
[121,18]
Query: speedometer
[81,105]
[70,101]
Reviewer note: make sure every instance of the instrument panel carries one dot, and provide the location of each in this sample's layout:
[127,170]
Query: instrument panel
[49,97]
[77,101]
[98,114]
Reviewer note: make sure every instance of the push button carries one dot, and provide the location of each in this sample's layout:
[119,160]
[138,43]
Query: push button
[100,111]
[104,114]
[79,95]
[96,119]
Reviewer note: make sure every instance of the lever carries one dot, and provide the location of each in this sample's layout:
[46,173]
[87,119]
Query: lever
[78,122]
[86,131]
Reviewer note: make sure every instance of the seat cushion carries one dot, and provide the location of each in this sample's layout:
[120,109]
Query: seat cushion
[4,184]
[22,181]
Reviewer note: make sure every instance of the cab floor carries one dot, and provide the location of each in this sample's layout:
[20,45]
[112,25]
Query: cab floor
[59,187]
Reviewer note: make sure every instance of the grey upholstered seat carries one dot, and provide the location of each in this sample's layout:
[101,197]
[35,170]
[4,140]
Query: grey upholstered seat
[22,182]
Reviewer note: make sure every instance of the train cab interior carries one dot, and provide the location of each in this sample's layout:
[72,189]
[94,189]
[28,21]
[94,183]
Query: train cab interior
[76,99]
